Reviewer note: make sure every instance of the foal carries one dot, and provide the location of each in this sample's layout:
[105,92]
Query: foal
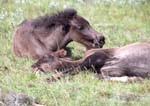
[129,60]
[35,38]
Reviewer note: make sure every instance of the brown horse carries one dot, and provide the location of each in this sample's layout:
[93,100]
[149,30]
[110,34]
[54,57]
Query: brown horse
[130,60]
[35,38]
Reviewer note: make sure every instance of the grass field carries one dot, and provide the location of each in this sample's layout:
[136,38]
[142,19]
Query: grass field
[121,21]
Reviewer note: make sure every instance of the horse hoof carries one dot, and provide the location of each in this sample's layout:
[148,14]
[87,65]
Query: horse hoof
[37,70]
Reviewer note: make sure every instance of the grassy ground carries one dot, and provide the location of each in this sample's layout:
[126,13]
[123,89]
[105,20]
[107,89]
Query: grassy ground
[121,21]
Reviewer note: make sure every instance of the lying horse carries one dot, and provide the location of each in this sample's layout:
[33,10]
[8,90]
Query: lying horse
[35,38]
[130,60]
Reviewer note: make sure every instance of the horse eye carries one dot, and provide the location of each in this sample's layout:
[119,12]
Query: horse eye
[80,27]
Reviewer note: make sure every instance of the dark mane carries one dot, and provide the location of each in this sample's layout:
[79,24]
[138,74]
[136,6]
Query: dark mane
[59,18]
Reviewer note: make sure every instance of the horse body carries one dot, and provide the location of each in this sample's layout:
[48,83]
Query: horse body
[130,60]
[35,38]
[27,42]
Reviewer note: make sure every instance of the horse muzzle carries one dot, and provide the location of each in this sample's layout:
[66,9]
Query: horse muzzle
[98,42]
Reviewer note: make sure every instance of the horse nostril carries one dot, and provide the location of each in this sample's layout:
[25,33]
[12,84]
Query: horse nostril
[102,40]
[99,41]
[97,44]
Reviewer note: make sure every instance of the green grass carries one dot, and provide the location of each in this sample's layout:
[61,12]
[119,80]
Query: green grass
[121,23]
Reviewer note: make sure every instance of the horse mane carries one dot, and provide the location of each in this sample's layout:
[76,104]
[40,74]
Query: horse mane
[59,18]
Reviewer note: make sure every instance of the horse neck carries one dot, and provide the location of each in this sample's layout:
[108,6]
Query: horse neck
[70,63]
[61,37]
[65,41]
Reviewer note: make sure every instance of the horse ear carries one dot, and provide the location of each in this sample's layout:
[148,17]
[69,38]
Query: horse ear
[70,13]
[73,23]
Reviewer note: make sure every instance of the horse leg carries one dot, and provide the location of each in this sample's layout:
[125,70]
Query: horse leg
[60,53]
[112,72]
[112,75]
[126,79]
[117,74]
